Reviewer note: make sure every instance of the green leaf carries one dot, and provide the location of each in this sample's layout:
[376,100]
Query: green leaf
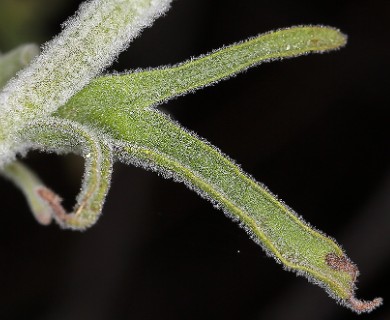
[63,136]
[150,87]
[146,137]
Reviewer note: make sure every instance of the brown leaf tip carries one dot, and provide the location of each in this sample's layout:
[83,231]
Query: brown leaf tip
[342,264]
[53,200]
[360,306]
[44,217]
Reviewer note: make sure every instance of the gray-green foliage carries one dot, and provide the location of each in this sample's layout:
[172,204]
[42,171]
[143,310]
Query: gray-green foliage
[13,61]
[58,104]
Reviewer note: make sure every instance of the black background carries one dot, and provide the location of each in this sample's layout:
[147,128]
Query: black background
[315,130]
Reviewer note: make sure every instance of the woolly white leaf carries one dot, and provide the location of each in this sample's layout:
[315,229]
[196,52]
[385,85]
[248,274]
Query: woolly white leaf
[90,42]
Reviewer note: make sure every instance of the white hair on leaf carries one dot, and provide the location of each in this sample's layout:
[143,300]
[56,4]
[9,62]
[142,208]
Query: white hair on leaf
[90,42]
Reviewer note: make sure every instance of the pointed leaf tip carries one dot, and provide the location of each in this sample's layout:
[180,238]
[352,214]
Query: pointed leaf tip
[361,306]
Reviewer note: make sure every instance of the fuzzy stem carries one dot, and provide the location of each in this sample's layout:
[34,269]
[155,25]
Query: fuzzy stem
[90,41]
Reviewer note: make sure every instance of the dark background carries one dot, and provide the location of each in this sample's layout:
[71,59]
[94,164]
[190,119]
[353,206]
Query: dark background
[315,130]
